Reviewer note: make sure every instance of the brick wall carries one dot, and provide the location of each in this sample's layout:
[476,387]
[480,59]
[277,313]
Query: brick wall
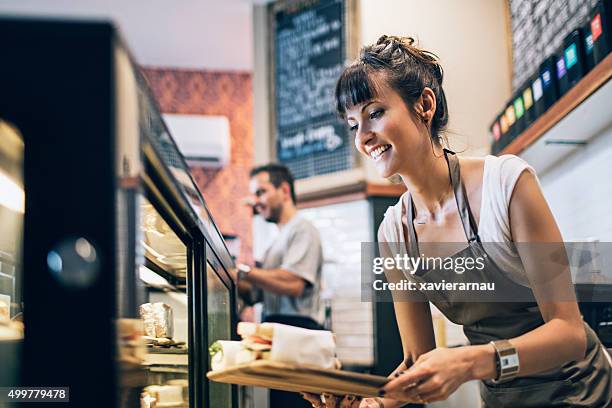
[216,93]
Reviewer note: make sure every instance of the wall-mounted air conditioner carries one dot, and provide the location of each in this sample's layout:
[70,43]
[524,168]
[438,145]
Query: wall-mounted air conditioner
[203,140]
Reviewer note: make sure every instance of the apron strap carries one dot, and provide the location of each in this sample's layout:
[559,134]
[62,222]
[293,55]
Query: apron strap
[467,219]
[463,205]
[413,248]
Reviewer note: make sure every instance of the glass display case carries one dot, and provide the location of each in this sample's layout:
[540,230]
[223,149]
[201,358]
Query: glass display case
[113,276]
[11,241]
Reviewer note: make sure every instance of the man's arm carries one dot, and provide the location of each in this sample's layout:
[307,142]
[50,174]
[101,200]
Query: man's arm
[299,266]
[247,291]
[279,281]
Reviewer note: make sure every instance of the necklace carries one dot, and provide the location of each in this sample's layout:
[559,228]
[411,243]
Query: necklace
[427,219]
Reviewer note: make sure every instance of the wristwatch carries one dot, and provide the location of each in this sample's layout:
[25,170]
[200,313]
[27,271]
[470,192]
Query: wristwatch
[507,361]
[243,271]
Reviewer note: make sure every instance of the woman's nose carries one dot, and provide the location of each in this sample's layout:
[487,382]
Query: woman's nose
[363,136]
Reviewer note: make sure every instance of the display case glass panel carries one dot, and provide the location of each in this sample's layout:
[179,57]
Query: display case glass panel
[12,202]
[218,318]
[163,325]
[164,316]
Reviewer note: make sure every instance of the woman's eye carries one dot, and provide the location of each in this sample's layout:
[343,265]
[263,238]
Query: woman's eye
[353,128]
[376,114]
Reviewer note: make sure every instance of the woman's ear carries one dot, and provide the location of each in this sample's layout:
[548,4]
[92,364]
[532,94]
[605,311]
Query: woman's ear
[428,104]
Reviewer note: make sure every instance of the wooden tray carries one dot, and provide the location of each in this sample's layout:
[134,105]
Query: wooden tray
[289,377]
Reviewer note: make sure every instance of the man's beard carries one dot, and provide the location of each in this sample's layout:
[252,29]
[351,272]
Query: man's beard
[275,214]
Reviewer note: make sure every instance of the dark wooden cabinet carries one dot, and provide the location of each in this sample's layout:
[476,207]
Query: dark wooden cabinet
[110,219]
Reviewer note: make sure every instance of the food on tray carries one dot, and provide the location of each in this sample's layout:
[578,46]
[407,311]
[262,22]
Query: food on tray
[225,354]
[256,337]
[158,319]
[277,342]
[254,331]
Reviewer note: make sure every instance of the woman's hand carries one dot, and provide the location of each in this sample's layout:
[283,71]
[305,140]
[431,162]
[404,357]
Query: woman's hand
[434,376]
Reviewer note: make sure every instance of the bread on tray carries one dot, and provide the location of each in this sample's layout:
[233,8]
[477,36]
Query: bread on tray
[275,342]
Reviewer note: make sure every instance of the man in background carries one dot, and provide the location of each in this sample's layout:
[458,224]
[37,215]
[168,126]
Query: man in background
[289,279]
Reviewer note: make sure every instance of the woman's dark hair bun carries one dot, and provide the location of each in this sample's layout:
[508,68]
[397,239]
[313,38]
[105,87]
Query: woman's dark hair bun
[383,38]
[407,69]
[389,39]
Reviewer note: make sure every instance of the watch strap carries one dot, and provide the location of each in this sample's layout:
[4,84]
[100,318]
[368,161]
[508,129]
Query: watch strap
[507,360]
[243,271]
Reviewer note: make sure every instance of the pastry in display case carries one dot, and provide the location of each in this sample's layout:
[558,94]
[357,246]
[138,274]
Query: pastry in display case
[103,230]
[164,316]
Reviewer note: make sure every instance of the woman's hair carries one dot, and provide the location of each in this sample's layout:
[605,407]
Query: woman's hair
[405,68]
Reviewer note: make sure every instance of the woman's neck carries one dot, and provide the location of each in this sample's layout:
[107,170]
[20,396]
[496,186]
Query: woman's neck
[429,185]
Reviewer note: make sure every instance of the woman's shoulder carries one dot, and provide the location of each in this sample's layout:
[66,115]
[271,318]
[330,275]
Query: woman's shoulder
[472,169]
[499,181]
[502,172]
[488,160]
[494,171]
[505,163]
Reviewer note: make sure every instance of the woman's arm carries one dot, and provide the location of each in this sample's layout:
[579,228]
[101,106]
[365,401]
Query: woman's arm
[539,243]
[559,340]
[413,317]
[415,327]
[417,335]
[413,321]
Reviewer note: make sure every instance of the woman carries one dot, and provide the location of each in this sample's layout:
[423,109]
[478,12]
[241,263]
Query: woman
[527,354]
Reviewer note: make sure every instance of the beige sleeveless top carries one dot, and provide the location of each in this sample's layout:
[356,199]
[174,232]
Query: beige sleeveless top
[499,178]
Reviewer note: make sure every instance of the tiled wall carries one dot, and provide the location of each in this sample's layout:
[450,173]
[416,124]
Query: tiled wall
[343,228]
[579,191]
[216,93]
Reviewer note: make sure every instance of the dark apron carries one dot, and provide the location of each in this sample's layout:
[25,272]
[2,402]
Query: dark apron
[586,383]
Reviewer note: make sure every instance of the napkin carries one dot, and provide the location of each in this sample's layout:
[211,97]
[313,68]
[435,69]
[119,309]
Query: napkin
[303,346]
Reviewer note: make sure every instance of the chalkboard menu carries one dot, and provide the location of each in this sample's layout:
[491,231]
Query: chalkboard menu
[538,29]
[309,55]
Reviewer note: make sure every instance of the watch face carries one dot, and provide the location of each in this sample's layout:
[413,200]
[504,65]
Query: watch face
[509,361]
[506,361]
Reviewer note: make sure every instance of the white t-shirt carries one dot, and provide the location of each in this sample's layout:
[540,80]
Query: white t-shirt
[499,178]
[297,249]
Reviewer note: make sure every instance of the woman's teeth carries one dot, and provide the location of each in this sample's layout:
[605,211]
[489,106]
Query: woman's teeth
[376,153]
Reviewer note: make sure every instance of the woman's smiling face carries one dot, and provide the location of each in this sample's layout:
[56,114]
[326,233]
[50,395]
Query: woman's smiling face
[386,131]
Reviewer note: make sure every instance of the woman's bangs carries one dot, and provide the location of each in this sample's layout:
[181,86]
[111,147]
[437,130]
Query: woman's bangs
[355,86]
